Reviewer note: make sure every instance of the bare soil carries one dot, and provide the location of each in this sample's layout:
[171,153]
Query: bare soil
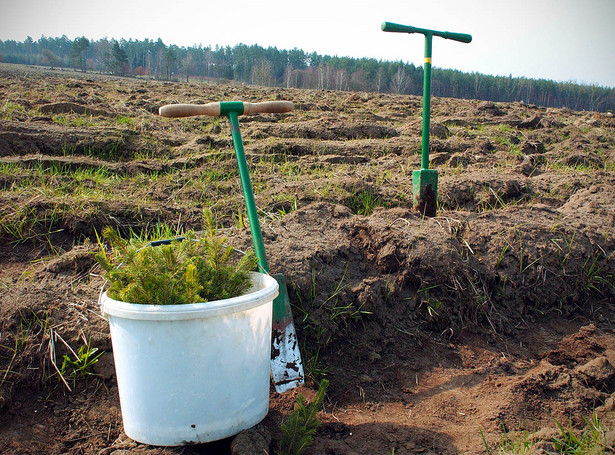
[495,315]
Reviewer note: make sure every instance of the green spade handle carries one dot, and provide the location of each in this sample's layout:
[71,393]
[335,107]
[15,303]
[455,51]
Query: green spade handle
[391,27]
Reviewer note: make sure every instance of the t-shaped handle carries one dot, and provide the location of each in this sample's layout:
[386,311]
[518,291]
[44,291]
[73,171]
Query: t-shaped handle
[224,108]
[391,27]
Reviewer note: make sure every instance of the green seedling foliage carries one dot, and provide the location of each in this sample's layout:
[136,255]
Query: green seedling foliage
[482,435]
[521,443]
[502,253]
[10,110]
[337,309]
[82,363]
[241,220]
[432,305]
[27,223]
[304,306]
[125,120]
[189,271]
[591,439]
[31,325]
[298,431]
[593,276]
[365,202]
[313,364]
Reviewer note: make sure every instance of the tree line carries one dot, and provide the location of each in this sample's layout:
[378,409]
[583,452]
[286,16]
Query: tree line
[293,68]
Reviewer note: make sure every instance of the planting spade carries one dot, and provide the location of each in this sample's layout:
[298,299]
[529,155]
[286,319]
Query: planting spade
[286,365]
[425,180]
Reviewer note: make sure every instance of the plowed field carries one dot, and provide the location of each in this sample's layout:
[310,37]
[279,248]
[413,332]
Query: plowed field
[492,319]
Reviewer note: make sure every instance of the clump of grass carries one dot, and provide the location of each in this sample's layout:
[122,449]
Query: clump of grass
[313,364]
[365,202]
[592,439]
[81,362]
[298,431]
[519,443]
[589,440]
[335,305]
[125,120]
[25,223]
[431,304]
[174,272]
[9,110]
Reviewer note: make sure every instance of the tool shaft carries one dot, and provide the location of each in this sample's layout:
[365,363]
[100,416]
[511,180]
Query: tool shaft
[248,194]
[426,103]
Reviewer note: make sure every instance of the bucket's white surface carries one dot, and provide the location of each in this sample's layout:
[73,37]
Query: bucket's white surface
[193,373]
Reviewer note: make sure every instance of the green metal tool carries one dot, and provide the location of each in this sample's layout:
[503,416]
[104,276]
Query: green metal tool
[286,364]
[425,180]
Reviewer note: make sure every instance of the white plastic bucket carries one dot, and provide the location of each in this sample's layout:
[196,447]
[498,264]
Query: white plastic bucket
[193,373]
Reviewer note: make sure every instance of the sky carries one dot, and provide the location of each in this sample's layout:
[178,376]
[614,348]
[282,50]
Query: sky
[561,40]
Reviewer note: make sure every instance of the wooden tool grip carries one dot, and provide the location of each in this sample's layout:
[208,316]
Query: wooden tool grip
[268,107]
[188,110]
[223,108]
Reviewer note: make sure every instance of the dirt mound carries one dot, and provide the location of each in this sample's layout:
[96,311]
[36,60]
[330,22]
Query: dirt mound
[491,270]
[70,108]
[25,139]
[323,129]
[578,373]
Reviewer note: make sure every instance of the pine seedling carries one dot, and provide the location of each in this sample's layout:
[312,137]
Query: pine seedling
[299,429]
[189,271]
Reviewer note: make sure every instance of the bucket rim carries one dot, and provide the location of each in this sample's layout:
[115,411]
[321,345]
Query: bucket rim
[264,289]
